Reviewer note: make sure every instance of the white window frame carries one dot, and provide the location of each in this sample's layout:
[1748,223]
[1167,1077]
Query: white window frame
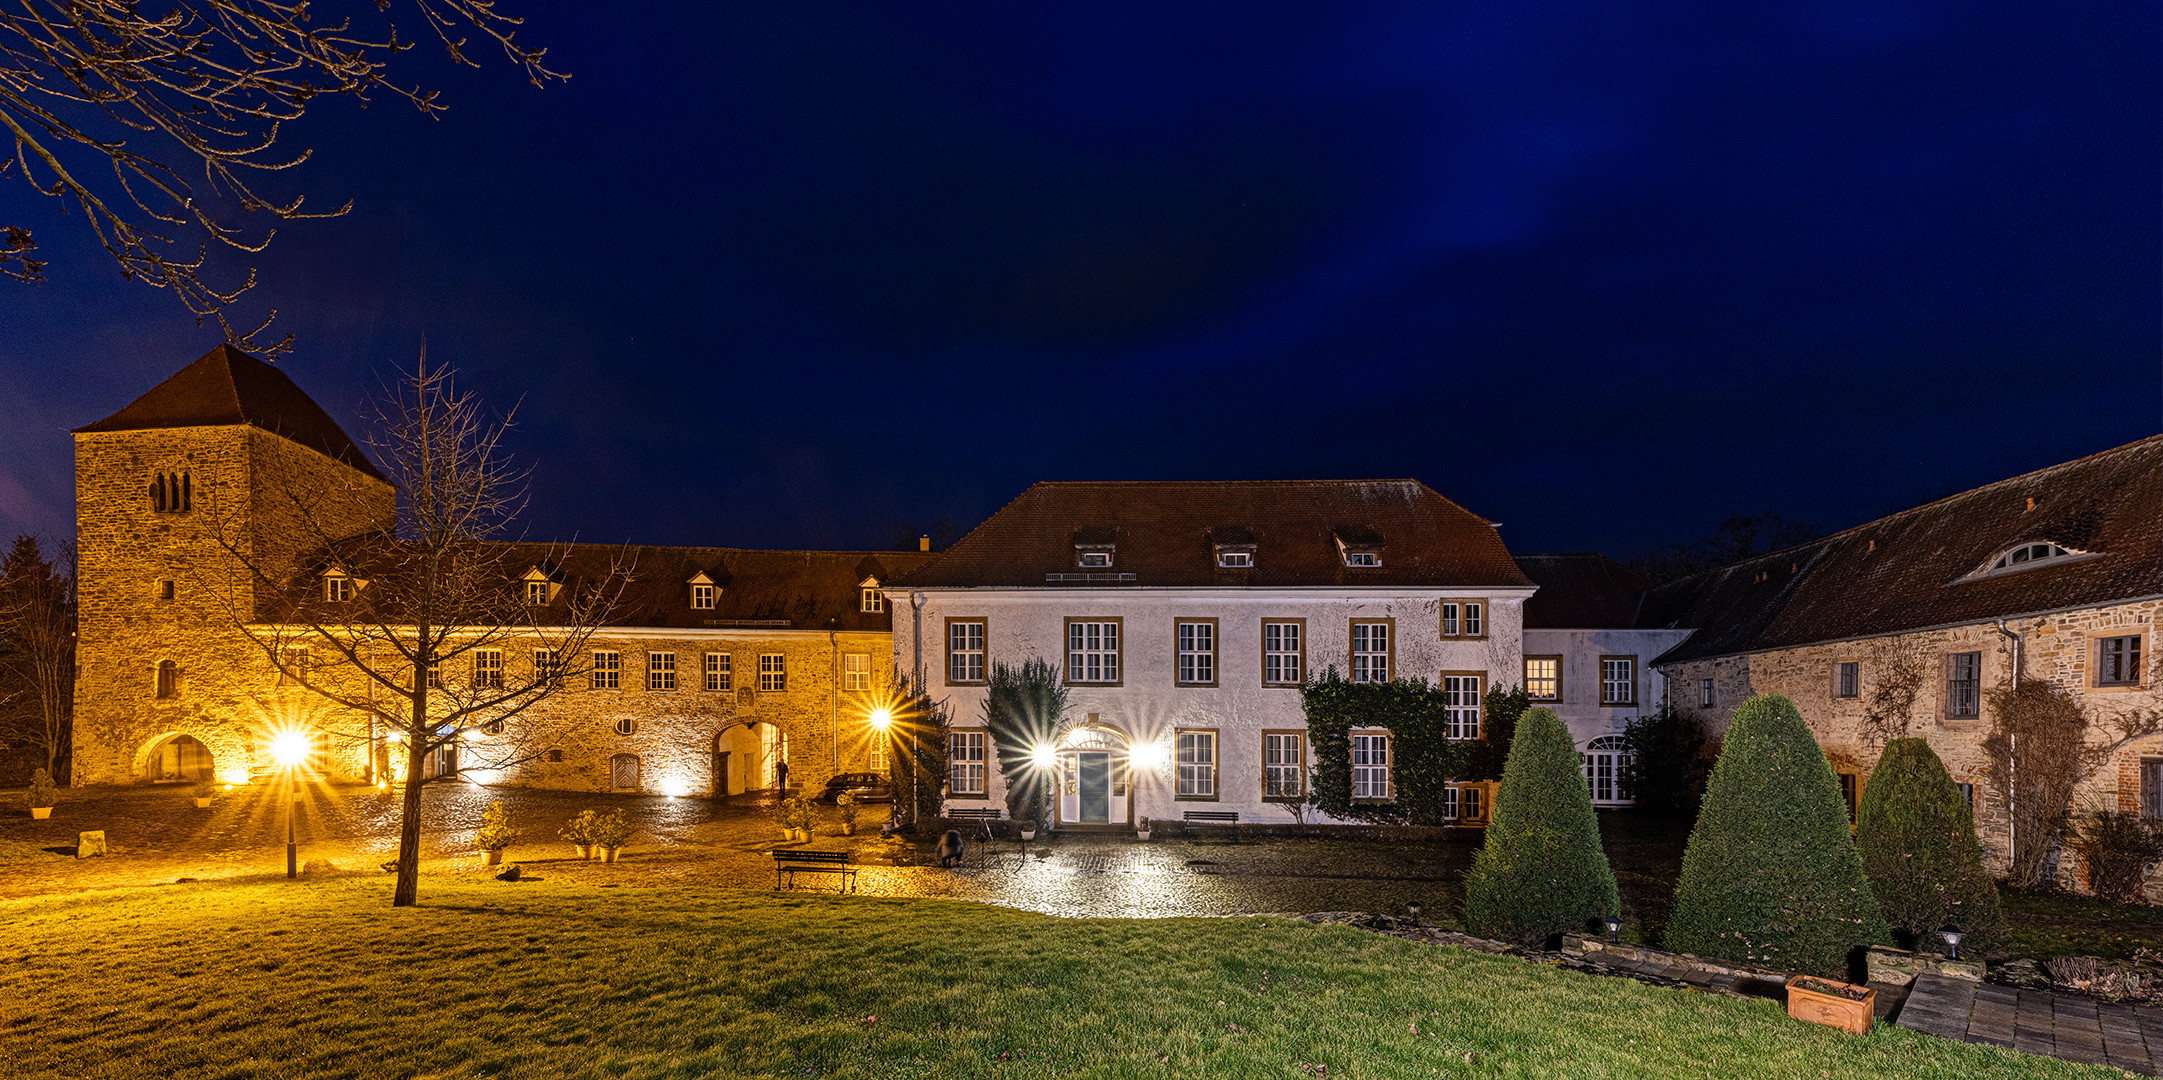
[1610,682]
[702,596]
[1370,767]
[966,655]
[1195,641]
[1464,618]
[1235,560]
[1094,559]
[661,671]
[337,588]
[1370,650]
[547,669]
[773,673]
[536,593]
[1286,655]
[488,669]
[965,763]
[856,671]
[720,671]
[1705,685]
[1461,705]
[1195,759]
[1284,765]
[1092,651]
[1553,678]
[872,601]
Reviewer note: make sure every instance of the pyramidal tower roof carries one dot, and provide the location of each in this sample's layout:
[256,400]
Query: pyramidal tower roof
[227,386]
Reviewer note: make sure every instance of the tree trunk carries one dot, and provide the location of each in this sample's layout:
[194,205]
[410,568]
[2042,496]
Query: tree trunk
[409,825]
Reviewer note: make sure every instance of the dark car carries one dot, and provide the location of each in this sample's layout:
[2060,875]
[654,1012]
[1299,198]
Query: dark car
[863,786]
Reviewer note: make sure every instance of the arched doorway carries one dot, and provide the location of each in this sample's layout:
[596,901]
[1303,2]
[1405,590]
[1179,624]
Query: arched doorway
[178,759]
[1605,759]
[1094,785]
[739,759]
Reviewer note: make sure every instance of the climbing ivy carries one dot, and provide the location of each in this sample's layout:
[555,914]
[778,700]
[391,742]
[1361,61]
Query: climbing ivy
[1423,757]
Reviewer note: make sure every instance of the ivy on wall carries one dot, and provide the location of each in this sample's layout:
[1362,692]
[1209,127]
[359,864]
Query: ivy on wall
[1423,759]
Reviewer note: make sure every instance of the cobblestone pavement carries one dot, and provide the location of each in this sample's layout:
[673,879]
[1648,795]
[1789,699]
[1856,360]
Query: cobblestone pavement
[2069,1026]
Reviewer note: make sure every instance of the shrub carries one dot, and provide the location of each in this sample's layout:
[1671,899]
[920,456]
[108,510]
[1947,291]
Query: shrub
[611,831]
[205,789]
[1024,710]
[1423,756]
[846,803]
[579,830]
[1771,875]
[1500,712]
[1542,870]
[42,792]
[2118,849]
[1665,762]
[495,833]
[1917,839]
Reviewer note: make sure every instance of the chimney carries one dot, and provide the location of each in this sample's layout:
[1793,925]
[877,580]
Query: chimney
[923,543]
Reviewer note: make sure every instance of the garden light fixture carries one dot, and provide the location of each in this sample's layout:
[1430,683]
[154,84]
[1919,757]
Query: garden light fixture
[1951,935]
[1614,930]
[290,748]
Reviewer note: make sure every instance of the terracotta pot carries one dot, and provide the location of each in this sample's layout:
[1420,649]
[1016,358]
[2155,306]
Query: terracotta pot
[492,858]
[202,804]
[41,812]
[848,828]
[1831,1010]
[608,854]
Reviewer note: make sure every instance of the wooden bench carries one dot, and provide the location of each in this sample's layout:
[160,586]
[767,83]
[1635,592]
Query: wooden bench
[788,864]
[986,820]
[1211,819]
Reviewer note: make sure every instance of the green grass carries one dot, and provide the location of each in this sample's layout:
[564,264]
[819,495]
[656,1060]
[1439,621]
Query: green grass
[2046,924]
[547,979]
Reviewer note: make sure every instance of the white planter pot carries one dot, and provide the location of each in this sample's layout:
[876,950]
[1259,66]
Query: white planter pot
[202,804]
[1141,834]
[41,812]
[1028,832]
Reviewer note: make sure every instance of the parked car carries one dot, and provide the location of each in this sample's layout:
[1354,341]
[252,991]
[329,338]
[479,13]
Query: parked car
[864,786]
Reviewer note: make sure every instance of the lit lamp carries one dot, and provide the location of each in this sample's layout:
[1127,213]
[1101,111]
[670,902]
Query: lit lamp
[290,748]
[882,719]
[1951,935]
[1614,930]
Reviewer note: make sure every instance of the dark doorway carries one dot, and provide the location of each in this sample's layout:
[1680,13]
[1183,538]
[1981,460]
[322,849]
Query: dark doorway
[1096,787]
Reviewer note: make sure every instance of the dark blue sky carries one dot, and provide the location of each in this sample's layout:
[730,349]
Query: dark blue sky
[795,275]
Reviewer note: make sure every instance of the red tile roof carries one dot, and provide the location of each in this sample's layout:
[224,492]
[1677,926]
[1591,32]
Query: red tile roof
[1581,591]
[1917,568]
[1163,535]
[227,386]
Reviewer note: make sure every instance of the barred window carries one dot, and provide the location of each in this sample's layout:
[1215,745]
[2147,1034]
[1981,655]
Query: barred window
[1964,685]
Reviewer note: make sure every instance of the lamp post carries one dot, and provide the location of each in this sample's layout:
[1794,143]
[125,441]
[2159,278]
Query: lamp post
[289,748]
[882,718]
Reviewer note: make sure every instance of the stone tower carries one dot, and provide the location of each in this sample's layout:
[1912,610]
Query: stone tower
[227,457]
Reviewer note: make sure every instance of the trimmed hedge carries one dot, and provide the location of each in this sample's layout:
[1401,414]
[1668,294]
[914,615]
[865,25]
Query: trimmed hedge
[1917,839]
[1771,876]
[1541,871]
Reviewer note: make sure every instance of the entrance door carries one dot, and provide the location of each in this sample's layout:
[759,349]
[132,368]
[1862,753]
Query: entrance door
[1096,787]
[1604,759]
[721,774]
[625,770]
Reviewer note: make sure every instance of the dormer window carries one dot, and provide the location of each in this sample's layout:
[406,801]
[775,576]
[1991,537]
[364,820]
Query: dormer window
[537,593]
[869,599]
[1095,559]
[702,597]
[537,588]
[1093,547]
[1362,558]
[1359,547]
[2029,556]
[1233,546]
[337,588]
[1231,559]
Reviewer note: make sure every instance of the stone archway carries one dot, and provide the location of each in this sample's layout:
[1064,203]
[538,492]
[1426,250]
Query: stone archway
[739,762]
[176,758]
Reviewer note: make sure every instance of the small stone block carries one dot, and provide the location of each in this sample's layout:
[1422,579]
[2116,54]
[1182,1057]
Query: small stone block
[89,844]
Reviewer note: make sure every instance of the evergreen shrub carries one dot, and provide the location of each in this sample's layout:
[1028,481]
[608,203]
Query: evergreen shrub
[1665,761]
[495,832]
[1541,871]
[1771,876]
[1917,839]
[1024,710]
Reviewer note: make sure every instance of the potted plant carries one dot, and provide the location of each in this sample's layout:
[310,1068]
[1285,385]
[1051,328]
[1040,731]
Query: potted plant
[42,795]
[579,831]
[847,803]
[1141,829]
[1028,831]
[609,833]
[796,818]
[1830,1002]
[205,790]
[495,833]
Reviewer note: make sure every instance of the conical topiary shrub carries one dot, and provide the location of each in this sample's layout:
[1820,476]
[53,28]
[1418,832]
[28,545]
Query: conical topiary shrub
[1771,876]
[1542,870]
[1917,838]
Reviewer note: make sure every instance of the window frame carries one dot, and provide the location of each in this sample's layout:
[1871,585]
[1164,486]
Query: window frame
[1707,694]
[2099,649]
[1622,703]
[1388,765]
[2151,794]
[1298,766]
[779,670]
[702,596]
[1206,738]
[1953,697]
[1117,651]
[1847,679]
[547,668]
[719,671]
[661,671]
[1208,656]
[1556,678]
[982,652]
[957,739]
[488,669]
[870,601]
[857,680]
[165,681]
[1479,704]
[1362,560]
[536,593]
[1463,618]
[338,588]
[606,672]
[293,665]
[1352,653]
[1299,653]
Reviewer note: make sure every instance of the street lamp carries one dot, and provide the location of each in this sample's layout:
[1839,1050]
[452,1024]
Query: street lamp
[882,718]
[290,747]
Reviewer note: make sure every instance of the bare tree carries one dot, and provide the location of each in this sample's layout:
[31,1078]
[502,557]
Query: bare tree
[153,93]
[416,627]
[2044,744]
[1739,536]
[1898,667]
[37,648]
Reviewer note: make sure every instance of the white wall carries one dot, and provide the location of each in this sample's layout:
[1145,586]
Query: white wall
[1581,651]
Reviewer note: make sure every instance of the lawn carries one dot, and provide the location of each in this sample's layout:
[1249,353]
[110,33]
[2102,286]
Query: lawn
[2048,923]
[551,978]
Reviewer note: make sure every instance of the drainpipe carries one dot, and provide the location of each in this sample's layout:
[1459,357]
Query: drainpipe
[833,689]
[916,638]
[2019,653]
[2012,749]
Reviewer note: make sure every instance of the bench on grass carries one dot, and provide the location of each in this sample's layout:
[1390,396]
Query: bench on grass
[1211,819]
[788,864]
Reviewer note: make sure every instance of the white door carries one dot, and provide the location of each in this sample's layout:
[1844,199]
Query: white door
[1604,759]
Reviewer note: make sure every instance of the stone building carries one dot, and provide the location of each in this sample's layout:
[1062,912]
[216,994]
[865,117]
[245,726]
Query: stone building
[1900,627]
[716,666]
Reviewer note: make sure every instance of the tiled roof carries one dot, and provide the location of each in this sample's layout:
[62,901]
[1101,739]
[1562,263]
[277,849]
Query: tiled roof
[1917,568]
[774,590]
[227,386]
[1165,535]
[1581,591]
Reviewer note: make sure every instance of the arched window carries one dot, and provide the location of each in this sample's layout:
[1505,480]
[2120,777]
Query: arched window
[1605,759]
[168,679]
[2029,556]
[172,493]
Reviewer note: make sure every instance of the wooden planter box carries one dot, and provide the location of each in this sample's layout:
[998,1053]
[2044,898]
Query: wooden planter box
[1831,1010]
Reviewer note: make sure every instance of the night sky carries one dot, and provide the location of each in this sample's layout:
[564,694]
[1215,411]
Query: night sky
[802,275]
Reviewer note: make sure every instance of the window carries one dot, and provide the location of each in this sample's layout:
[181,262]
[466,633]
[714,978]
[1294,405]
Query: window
[537,593]
[1197,753]
[773,672]
[1464,618]
[1543,678]
[1461,706]
[1618,680]
[965,651]
[547,668]
[719,671]
[1283,652]
[871,600]
[1362,558]
[1197,646]
[1964,685]
[1967,795]
[1848,792]
[1370,766]
[1449,803]
[292,667]
[1235,560]
[856,671]
[876,759]
[2151,788]
[488,668]
[1704,687]
[1848,679]
[2118,661]
[2028,557]
[626,725]
[337,588]
[493,727]
[1094,559]
[171,493]
[660,671]
[965,762]
[555,757]
[1284,765]
[1470,803]
[607,673]
[1092,651]
[1605,759]
[1370,651]
[702,597]
[165,590]
[168,679]
[435,676]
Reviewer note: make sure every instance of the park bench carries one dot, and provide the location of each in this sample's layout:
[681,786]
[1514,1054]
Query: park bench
[1211,819]
[984,819]
[788,864]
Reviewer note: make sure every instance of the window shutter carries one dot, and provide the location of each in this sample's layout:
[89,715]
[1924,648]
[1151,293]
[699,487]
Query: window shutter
[2151,788]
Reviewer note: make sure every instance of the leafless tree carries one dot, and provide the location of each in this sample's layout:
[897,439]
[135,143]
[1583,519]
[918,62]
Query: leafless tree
[37,648]
[414,629]
[154,92]
[2044,744]
[1897,669]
